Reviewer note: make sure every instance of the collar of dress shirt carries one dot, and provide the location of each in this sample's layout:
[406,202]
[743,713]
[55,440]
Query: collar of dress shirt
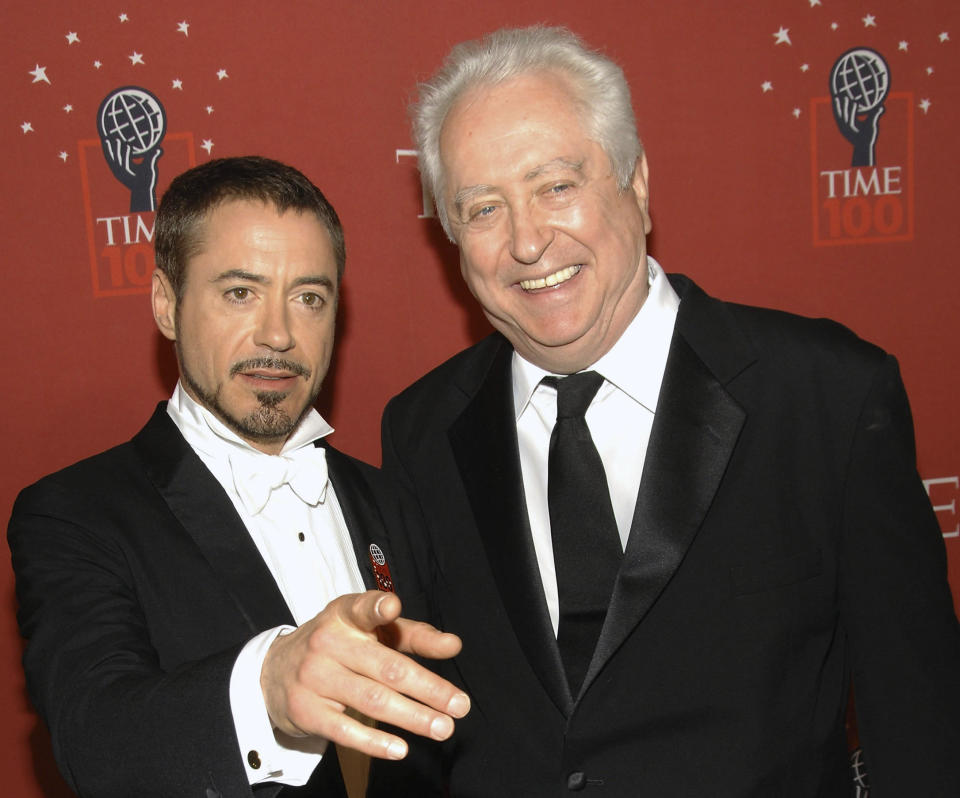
[210,436]
[647,337]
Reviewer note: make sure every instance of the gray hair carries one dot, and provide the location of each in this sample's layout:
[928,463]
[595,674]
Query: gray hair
[599,85]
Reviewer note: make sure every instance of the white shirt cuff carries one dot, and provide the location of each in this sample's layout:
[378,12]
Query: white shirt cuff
[268,754]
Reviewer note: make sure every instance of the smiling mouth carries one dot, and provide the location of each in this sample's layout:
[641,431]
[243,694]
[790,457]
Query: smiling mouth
[551,280]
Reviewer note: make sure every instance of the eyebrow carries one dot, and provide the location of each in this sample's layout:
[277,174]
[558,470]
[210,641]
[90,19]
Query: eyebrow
[260,279]
[555,164]
[464,195]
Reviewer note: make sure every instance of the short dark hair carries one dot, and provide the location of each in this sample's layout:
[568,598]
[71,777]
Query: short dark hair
[195,193]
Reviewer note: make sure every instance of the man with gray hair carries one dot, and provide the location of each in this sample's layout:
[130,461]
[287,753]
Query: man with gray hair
[669,530]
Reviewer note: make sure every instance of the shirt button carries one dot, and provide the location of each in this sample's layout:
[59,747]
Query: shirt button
[301,537]
[576,781]
[253,759]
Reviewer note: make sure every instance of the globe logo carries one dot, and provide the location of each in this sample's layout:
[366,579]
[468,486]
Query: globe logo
[862,77]
[132,123]
[859,83]
[135,116]
[376,554]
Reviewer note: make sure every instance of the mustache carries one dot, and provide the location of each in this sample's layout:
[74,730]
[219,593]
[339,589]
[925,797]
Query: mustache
[278,363]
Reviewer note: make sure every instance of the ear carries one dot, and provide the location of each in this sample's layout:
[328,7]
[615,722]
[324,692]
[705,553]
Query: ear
[164,305]
[641,187]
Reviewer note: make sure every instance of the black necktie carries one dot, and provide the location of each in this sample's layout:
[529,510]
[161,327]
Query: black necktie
[586,543]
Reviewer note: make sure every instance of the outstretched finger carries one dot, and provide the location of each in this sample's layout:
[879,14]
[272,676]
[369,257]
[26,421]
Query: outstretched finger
[422,639]
[337,726]
[403,694]
[395,677]
[370,610]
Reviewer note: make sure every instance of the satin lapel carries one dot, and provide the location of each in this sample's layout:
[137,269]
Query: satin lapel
[694,433]
[484,442]
[204,510]
[359,512]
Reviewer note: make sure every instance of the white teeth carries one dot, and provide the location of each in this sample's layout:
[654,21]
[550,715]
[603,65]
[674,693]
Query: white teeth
[551,279]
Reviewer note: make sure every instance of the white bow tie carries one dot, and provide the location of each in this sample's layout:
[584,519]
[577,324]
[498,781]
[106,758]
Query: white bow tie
[256,475]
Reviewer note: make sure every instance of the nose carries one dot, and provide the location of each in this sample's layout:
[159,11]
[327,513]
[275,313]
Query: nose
[273,328]
[530,235]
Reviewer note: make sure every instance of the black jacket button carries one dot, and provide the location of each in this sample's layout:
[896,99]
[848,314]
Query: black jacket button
[576,781]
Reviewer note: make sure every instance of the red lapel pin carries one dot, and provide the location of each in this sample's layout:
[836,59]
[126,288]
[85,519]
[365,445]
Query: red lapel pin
[381,571]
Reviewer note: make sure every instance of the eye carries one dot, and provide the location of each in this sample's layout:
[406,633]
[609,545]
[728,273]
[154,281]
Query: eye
[482,212]
[238,294]
[312,300]
[560,193]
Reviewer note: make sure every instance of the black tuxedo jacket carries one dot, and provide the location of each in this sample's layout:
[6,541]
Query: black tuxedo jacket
[138,585]
[782,543]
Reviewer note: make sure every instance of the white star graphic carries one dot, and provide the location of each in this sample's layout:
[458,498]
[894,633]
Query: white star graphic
[944,37]
[39,74]
[26,127]
[63,156]
[72,38]
[97,64]
[782,36]
[177,84]
[904,45]
[183,27]
[815,3]
[68,108]
[221,74]
[924,105]
[123,17]
[834,26]
[804,67]
[209,109]
[207,145]
[869,21]
[766,86]
[930,70]
[135,58]
[796,113]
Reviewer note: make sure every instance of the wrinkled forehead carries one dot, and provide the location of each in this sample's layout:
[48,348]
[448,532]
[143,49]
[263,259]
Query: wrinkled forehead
[514,99]
[522,123]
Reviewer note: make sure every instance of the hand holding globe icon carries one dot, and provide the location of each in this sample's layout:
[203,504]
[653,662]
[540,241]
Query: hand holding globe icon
[132,123]
[859,83]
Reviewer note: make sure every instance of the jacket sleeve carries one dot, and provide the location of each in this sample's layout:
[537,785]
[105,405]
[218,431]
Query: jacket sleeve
[897,608]
[121,723]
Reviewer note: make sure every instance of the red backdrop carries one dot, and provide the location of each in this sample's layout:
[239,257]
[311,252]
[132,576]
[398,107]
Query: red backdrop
[752,195]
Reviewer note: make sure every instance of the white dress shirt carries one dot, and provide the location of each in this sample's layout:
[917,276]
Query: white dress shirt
[298,528]
[620,418]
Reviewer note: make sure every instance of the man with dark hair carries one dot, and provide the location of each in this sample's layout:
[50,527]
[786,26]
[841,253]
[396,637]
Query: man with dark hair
[668,529]
[193,599]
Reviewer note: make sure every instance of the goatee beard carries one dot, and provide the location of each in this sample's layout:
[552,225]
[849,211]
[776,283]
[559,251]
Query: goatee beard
[269,422]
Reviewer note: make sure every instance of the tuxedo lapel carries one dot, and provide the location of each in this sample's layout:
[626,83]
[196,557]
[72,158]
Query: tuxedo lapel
[205,511]
[696,427]
[359,510]
[484,442]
